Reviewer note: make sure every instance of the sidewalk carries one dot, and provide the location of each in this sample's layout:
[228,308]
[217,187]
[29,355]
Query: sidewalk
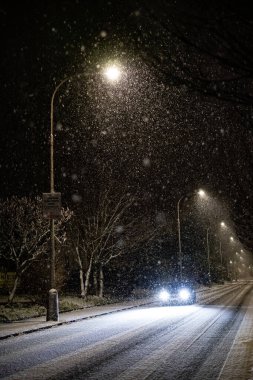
[239,362]
[27,326]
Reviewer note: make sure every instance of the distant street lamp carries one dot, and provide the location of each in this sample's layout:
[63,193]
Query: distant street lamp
[201,193]
[179,236]
[223,226]
[221,260]
[234,261]
[113,74]
[208,254]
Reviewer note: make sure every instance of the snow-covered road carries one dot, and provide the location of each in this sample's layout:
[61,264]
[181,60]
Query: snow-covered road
[152,342]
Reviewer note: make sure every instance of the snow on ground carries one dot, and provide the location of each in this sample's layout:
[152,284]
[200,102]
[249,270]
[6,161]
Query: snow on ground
[239,363]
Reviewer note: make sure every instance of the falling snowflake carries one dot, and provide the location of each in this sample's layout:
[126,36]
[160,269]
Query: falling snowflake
[146,162]
[103,34]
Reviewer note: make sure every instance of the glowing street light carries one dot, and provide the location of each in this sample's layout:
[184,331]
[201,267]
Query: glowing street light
[202,193]
[223,224]
[112,73]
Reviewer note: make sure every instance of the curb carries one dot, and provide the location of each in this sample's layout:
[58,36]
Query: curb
[56,324]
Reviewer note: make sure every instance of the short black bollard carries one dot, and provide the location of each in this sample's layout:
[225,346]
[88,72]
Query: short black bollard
[53,306]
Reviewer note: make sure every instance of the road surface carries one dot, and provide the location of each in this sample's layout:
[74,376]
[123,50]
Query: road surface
[152,342]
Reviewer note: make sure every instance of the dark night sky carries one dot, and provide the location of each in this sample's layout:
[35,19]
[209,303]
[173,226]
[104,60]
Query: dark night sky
[147,134]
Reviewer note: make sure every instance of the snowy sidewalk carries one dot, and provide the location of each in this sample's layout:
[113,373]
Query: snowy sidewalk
[239,363]
[26,326]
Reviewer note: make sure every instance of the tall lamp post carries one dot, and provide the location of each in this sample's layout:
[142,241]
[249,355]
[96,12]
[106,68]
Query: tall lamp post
[220,249]
[232,241]
[52,200]
[179,237]
[222,225]
[208,254]
[201,193]
[52,211]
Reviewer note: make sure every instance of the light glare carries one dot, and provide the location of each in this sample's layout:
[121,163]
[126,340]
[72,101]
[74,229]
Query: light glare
[112,73]
[164,295]
[184,294]
[201,193]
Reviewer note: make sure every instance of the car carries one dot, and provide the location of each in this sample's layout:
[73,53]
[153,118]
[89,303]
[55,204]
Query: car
[177,294]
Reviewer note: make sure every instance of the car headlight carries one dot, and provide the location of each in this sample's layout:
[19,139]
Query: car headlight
[184,294]
[164,295]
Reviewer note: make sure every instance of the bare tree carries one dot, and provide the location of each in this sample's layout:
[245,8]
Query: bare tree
[25,233]
[129,235]
[91,234]
[76,241]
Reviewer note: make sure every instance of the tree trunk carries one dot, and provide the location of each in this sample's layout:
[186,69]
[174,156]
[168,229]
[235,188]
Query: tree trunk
[81,282]
[95,281]
[80,273]
[14,288]
[87,279]
[101,281]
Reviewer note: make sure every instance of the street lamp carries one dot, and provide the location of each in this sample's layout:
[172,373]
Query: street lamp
[52,210]
[223,226]
[208,254]
[221,261]
[201,193]
[51,201]
[179,236]
[234,255]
